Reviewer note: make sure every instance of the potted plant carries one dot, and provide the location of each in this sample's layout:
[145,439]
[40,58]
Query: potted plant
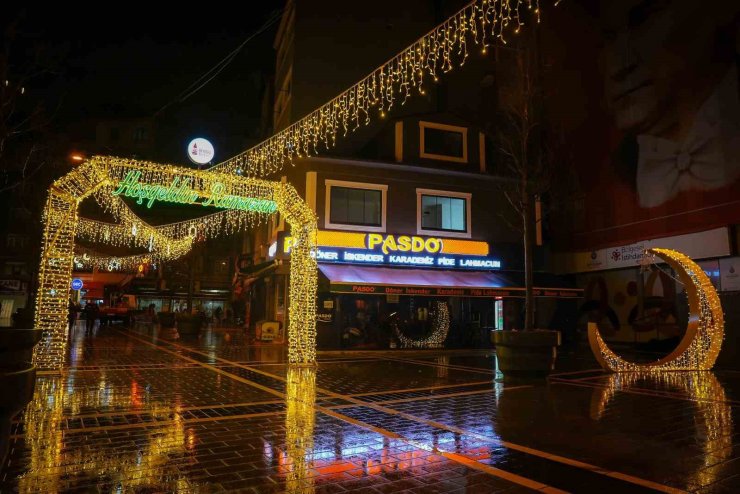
[167,324]
[166,320]
[17,377]
[527,155]
[189,324]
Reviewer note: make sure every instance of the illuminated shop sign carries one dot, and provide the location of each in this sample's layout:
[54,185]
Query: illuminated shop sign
[428,291]
[400,250]
[200,151]
[180,191]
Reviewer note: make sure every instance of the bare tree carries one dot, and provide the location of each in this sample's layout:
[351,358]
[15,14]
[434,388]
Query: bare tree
[24,119]
[529,152]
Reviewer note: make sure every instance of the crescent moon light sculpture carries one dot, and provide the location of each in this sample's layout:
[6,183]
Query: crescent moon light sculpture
[700,346]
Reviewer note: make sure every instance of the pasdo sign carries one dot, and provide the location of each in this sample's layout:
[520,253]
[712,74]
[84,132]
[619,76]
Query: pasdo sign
[200,151]
[400,250]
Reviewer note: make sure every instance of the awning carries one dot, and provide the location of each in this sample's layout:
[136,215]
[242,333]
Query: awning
[430,283]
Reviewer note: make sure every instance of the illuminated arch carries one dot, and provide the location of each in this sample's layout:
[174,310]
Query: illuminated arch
[101,174]
[700,346]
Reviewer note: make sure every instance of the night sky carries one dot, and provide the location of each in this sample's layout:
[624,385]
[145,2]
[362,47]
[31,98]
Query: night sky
[112,63]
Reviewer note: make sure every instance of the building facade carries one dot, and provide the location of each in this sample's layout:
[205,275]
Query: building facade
[415,244]
[655,148]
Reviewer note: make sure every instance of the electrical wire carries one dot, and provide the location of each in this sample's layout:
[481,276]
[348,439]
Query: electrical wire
[221,65]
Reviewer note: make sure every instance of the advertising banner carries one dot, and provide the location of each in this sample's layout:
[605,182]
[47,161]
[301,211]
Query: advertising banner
[700,245]
[729,272]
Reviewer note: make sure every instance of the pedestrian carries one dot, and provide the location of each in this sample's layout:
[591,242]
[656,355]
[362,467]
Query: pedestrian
[91,314]
[151,314]
[72,311]
[218,312]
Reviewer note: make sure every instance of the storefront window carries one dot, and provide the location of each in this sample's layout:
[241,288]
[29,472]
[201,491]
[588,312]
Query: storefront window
[374,322]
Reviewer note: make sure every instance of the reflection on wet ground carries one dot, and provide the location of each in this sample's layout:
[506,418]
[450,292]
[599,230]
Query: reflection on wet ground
[132,412]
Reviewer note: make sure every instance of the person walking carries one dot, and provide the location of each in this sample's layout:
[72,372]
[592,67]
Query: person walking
[91,314]
[72,311]
[218,313]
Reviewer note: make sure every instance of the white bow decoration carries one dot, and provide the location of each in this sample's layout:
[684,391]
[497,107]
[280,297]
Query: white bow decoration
[666,168]
[707,157]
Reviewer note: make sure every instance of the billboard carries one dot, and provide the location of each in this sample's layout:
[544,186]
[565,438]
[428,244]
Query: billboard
[647,96]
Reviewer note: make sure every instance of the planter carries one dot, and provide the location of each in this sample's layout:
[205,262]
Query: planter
[526,354]
[22,318]
[189,325]
[18,383]
[16,346]
[17,377]
[166,319]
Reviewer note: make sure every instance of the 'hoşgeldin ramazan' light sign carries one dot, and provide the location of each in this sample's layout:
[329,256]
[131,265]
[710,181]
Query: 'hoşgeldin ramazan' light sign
[180,191]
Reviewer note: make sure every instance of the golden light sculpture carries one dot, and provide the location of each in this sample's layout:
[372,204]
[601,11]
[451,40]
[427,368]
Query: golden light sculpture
[109,178]
[700,346]
[440,328]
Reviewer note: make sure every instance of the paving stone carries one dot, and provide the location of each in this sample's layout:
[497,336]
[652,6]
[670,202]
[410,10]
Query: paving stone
[134,413]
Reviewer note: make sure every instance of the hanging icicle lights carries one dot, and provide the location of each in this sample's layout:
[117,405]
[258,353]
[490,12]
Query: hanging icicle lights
[447,46]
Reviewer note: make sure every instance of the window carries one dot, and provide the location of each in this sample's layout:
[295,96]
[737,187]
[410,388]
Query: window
[282,100]
[15,268]
[140,134]
[221,266]
[15,241]
[442,212]
[355,206]
[443,142]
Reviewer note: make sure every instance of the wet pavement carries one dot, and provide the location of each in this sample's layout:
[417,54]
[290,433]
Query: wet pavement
[132,412]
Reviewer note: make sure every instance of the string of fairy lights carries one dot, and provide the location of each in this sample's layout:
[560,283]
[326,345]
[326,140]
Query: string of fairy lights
[700,346]
[440,328]
[443,49]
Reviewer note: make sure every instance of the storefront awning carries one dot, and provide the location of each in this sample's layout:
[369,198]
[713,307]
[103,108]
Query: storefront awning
[431,283]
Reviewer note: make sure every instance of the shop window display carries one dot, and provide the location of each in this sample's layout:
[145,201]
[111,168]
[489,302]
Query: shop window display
[372,322]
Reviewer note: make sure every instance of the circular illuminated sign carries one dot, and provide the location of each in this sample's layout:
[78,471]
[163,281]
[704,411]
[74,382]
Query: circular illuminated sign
[200,151]
[77,284]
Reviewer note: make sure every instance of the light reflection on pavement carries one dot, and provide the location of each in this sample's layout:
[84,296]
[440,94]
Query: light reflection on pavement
[134,412]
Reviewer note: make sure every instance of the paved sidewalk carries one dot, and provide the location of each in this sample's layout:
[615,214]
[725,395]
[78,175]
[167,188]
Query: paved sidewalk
[135,413]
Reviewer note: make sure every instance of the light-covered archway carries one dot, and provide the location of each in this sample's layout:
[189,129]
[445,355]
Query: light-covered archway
[231,197]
